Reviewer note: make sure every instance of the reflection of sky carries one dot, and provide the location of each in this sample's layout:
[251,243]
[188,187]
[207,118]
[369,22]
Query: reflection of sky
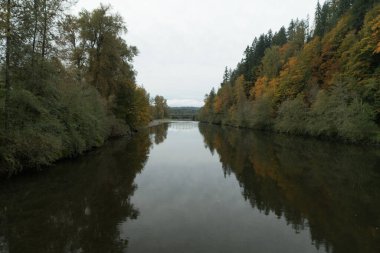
[186,204]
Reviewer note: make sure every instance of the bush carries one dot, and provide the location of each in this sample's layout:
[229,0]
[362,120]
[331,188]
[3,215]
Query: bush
[358,122]
[341,114]
[65,123]
[261,115]
[292,116]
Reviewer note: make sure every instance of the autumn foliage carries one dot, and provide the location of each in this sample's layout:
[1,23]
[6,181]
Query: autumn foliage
[323,80]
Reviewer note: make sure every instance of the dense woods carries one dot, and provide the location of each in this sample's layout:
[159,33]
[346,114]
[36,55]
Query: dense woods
[67,82]
[320,80]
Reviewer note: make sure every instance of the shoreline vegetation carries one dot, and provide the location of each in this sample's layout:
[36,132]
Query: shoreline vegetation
[320,80]
[67,83]
[275,134]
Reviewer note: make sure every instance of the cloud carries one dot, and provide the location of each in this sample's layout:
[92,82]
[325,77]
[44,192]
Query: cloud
[185,45]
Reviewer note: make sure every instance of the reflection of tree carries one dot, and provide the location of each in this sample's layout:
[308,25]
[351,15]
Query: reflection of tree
[160,133]
[76,206]
[333,189]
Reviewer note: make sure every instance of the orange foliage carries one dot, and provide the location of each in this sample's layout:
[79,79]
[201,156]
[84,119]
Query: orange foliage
[330,59]
[377,50]
[284,49]
[218,104]
[376,33]
[292,73]
[259,88]
[273,85]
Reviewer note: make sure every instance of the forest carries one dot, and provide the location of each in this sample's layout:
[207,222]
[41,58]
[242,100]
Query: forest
[183,113]
[67,83]
[318,79]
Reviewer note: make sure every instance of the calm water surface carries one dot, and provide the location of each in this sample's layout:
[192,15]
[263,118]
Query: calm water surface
[184,187]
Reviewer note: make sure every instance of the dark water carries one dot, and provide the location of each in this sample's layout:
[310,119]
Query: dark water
[184,188]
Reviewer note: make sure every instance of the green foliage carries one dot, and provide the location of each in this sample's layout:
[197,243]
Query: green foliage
[71,84]
[260,116]
[160,108]
[45,129]
[279,38]
[340,114]
[84,117]
[186,113]
[292,116]
[271,62]
[358,122]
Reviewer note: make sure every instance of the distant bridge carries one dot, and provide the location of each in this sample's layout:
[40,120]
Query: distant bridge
[183,117]
[183,113]
[183,125]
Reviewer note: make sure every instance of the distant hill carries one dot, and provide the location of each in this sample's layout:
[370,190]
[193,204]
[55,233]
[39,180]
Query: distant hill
[185,113]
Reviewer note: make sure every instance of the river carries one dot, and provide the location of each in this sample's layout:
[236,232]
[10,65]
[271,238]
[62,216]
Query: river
[189,187]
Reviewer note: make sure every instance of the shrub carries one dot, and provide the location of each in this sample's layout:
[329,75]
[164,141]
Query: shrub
[68,121]
[260,117]
[292,116]
[343,115]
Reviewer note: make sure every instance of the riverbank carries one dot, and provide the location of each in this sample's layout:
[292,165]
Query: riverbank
[32,157]
[327,138]
[158,122]
[163,121]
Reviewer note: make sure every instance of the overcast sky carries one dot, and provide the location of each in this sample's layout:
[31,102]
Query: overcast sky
[185,44]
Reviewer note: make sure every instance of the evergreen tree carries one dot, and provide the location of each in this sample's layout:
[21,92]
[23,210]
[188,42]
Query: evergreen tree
[319,26]
[279,38]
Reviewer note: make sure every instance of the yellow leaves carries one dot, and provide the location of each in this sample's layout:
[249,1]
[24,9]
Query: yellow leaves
[361,49]
[292,63]
[259,88]
[273,85]
[377,50]
[376,24]
[293,71]
[218,104]
[336,35]
[240,90]
[371,29]
[376,33]
[284,49]
[310,54]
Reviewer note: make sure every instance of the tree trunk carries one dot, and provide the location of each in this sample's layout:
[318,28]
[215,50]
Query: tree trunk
[35,13]
[7,65]
[44,35]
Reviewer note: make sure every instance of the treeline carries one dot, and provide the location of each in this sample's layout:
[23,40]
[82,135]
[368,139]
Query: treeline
[184,113]
[321,80]
[67,82]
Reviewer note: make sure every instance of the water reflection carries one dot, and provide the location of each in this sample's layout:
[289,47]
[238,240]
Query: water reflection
[331,189]
[117,200]
[78,205]
[159,133]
